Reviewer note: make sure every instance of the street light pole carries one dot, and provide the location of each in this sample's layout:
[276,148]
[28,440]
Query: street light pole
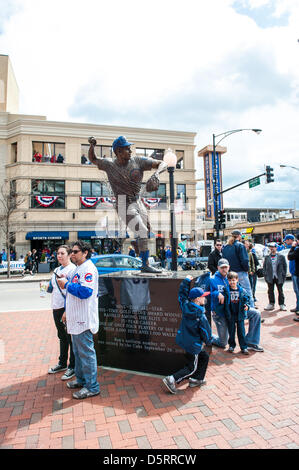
[171,159]
[289,166]
[223,135]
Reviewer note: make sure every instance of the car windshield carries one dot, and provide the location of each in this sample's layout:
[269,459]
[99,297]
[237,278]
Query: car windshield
[105,263]
[124,262]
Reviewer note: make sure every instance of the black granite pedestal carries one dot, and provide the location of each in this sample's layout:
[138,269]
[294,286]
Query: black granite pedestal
[139,318]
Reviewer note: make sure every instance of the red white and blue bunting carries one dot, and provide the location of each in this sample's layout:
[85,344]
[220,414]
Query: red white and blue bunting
[92,201]
[151,202]
[89,201]
[108,201]
[46,201]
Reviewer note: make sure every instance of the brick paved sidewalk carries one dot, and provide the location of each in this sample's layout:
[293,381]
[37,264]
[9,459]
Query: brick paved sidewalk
[248,402]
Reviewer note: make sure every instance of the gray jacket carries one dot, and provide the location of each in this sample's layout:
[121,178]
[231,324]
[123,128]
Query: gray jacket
[281,269]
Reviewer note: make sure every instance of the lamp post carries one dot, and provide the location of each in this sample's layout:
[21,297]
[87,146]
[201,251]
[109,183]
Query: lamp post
[171,159]
[289,166]
[223,135]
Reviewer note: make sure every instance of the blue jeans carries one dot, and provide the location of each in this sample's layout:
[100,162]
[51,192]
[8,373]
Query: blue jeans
[296,289]
[244,282]
[254,330]
[85,361]
[240,327]
[222,330]
[253,281]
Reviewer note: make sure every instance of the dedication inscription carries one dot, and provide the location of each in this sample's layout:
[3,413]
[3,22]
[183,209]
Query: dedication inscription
[139,319]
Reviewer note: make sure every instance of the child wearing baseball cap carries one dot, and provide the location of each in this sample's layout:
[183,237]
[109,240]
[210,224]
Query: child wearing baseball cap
[194,332]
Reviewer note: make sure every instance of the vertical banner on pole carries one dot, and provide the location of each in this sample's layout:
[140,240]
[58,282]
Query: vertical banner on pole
[208,186]
[218,180]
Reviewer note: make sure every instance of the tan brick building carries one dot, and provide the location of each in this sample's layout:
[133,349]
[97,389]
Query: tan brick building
[45,159]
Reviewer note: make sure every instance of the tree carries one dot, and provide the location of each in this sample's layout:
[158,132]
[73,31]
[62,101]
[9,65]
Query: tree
[10,201]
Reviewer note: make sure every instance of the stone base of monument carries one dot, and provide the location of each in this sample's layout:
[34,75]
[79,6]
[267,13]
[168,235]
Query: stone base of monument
[139,318]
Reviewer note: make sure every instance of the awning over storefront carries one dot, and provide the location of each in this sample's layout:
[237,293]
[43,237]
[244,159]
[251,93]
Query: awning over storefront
[88,235]
[91,235]
[47,236]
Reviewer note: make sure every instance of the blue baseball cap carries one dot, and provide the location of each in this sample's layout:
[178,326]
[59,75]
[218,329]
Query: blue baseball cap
[121,141]
[197,292]
[289,236]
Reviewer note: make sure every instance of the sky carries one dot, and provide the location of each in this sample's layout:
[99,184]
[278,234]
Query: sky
[204,67]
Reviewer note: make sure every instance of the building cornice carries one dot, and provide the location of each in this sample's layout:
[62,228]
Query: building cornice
[102,132]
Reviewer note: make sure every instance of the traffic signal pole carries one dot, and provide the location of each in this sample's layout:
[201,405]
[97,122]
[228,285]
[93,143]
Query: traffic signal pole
[270,179]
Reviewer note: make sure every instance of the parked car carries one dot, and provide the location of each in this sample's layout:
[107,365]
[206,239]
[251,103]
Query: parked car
[285,254]
[113,263]
[192,260]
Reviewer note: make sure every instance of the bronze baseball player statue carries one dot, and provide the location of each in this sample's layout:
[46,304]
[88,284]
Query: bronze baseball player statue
[125,174]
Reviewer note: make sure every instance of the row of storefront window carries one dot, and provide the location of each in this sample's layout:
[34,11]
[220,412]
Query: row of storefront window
[54,152]
[51,194]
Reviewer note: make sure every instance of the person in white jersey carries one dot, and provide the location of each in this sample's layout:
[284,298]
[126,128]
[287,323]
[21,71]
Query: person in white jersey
[82,319]
[58,307]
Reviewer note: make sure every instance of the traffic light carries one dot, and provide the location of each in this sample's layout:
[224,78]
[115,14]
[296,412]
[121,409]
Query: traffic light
[269,174]
[222,219]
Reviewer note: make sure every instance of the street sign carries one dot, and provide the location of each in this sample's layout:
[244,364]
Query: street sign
[254,182]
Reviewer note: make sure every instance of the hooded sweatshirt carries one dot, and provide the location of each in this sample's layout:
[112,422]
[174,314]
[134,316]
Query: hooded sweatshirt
[194,329]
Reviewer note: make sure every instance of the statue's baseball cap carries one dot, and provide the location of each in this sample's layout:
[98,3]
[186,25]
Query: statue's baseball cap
[197,292]
[121,141]
[289,236]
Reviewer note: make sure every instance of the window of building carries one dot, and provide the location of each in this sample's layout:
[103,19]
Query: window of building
[160,193]
[102,151]
[94,189]
[47,194]
[181,192]
[14,152]
[48,152]
[158,154]
[180,159]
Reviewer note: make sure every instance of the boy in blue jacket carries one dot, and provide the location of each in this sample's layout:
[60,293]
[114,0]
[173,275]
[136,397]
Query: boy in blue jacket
[237,304]
[193,332]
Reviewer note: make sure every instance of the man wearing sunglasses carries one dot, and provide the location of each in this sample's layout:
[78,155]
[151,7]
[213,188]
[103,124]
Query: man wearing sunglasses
[215,256]
[82,319]
[125,174]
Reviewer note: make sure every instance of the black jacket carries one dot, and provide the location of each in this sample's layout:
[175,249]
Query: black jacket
[294,256]
[214,257]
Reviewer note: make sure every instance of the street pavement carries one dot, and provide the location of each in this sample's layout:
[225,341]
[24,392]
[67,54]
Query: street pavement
[248,402]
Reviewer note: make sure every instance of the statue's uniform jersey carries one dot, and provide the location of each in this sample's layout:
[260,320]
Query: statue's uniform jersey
[82,299]
[126,180]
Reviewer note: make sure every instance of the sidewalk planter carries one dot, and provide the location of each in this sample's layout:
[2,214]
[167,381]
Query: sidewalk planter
[43,267]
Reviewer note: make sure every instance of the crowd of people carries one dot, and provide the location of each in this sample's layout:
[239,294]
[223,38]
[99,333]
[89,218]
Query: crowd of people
[227,294]
[242,259]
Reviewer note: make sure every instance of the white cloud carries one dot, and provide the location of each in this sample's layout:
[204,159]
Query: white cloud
[196,65]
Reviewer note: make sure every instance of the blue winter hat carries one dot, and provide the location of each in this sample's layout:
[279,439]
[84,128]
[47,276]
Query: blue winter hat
[197,292]
[121,141]
[289,236]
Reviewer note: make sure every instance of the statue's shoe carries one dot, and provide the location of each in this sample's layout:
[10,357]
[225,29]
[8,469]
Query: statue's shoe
[150,269]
